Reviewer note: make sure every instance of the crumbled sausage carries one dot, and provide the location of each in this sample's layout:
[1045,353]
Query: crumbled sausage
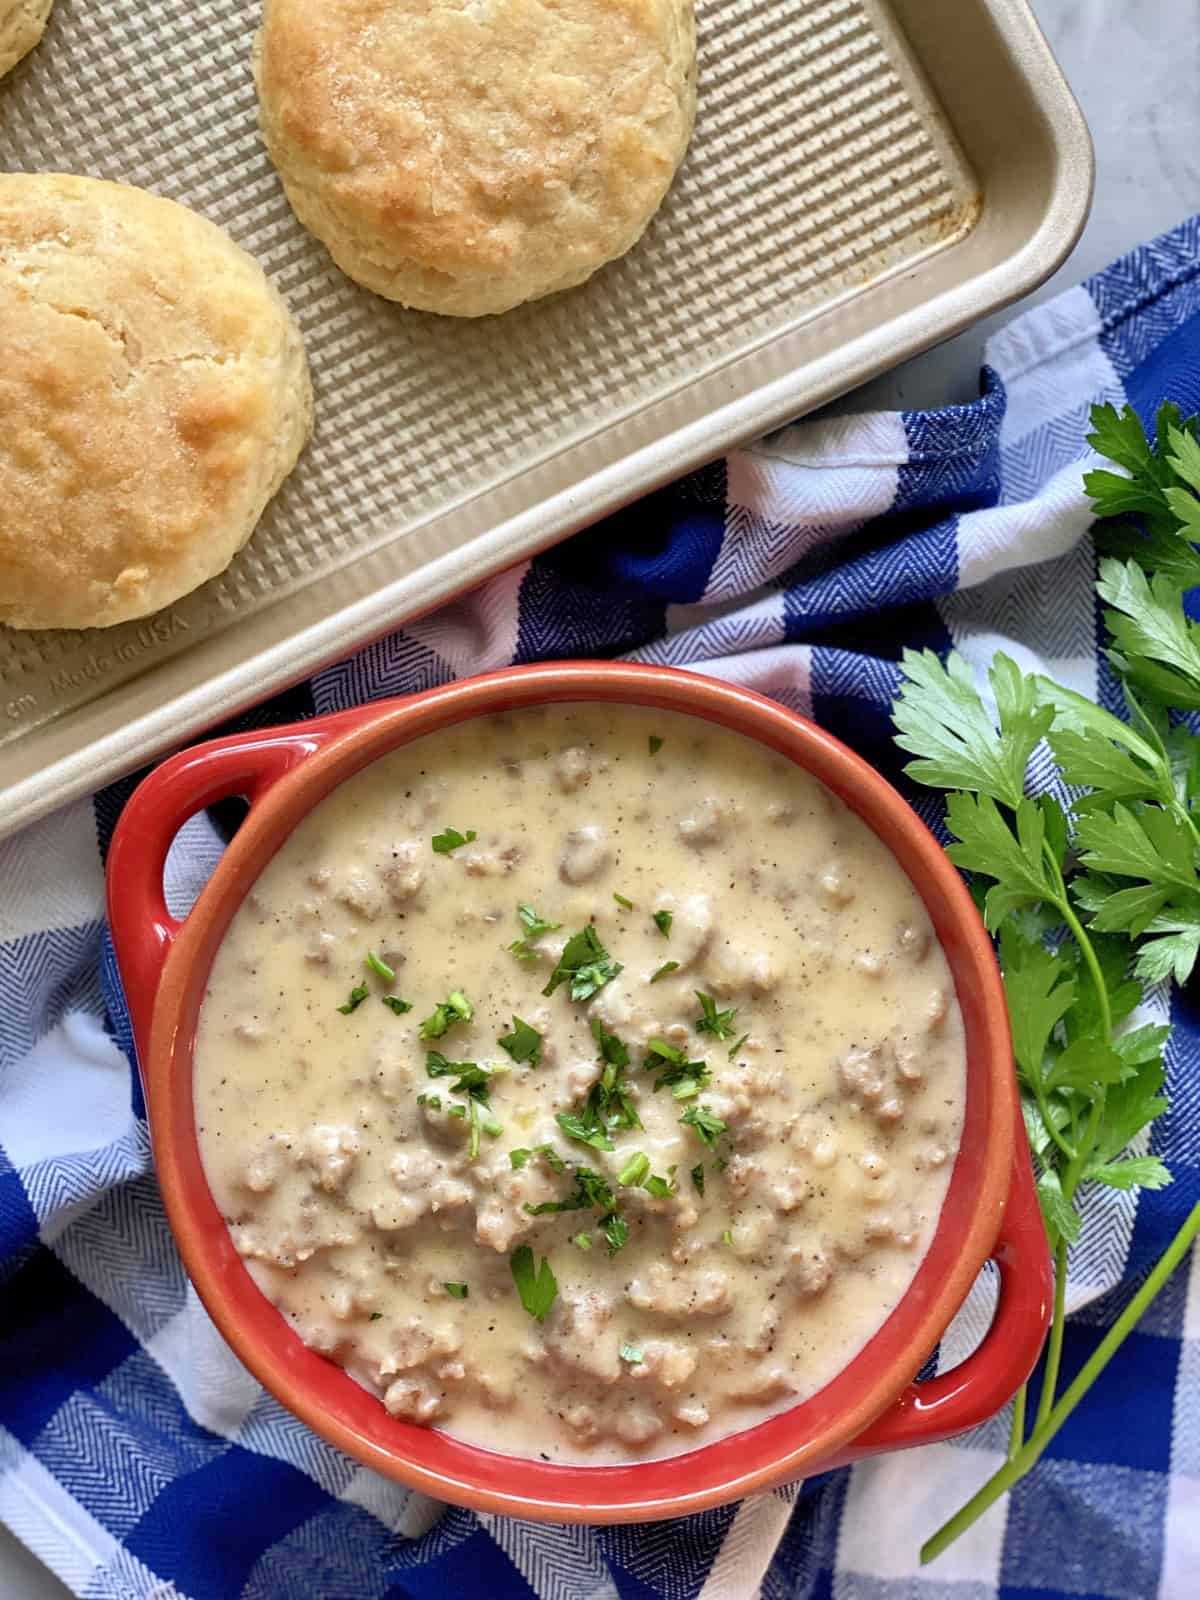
[415,1399]
[769,1383]
[863,1072]
[573,768]
[359,893]
[808,1269]
[492,863]
[586,853]
[330,1153]
[264,1166]
[665,1363]
[405,873]
[692,1415]
[708,824]
[579,1335]
[679,1295]
[638,1424]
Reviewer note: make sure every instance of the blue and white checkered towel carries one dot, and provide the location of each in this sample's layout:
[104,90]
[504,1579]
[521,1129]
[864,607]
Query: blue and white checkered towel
[138,1459]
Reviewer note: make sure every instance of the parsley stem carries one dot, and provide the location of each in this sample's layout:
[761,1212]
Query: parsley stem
[1003,1480]
[1063,902]
[1016,1431]
[1054,1344]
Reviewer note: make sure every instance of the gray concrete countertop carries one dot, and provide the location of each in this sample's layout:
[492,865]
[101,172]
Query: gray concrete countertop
[1135,69]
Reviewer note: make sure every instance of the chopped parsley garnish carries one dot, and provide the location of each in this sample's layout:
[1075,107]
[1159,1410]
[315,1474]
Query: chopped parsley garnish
[612,1050]
[727,1236]
[582,1241]
[451,839]
[534,927]
[663,921]
[665,971]
[707,1125]
[656,744]
[734,1048]
[712,1020]
[430,1102]
[632,1353]
[626,905]
[537,1289]
[615,1230]
[635,1171]
[458,1291]
[661,1188]
[380,967]
[475,1082]
[592,1189]
[583,1131]
[585,964]
[608,1104]
[357,995]
[684,1078]
[394,1003]
[698,1178]
[455,1008]
[522,1158]
[524,1043]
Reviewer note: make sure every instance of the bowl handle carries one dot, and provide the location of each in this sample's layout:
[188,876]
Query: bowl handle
[143,930]
[976,1389]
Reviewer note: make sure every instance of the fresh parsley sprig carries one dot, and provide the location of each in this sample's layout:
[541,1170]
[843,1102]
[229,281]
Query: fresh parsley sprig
[1094,902]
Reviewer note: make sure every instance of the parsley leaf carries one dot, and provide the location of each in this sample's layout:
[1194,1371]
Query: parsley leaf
[394,1003]
[660,1188]
[698,1178]
[582,1241]
[451,839]
[707,1125]
[524,1043]
[663,921]
[635,1171]
[615,1230]
[665,971]
[684,1078]
[380,967]
[585,964]
[656,744]
[584,1130]
[944,723]
[626,905]
[357,995]
[458,1291]
[612,1049]
[534,927]
[713,1021]
[521,1158]
[455,1008]
[591,1189]
[537,1290]
[734,1048]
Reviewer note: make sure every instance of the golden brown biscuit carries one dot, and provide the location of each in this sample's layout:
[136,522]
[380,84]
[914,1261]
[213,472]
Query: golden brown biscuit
[463,156]
[154,395]
[22,24]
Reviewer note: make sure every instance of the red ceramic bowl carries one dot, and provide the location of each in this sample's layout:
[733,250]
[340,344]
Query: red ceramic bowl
[990,1212]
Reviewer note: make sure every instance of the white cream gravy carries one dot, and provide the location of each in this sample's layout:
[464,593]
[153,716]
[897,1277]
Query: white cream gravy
[354,1205]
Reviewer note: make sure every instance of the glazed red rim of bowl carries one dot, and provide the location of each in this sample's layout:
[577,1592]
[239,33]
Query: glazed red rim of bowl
[289,771]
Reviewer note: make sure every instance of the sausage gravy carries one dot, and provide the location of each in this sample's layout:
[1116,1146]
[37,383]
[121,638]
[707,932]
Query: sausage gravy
[586,1081]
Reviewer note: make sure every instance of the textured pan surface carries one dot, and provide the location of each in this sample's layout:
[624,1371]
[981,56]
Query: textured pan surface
[820,165]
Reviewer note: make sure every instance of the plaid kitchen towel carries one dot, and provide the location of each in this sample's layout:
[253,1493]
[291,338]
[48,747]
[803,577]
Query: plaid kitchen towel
[138,1459]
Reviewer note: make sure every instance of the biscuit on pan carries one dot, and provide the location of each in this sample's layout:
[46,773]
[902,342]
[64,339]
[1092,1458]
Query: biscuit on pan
[464,156]
[155,394]
[22,24]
